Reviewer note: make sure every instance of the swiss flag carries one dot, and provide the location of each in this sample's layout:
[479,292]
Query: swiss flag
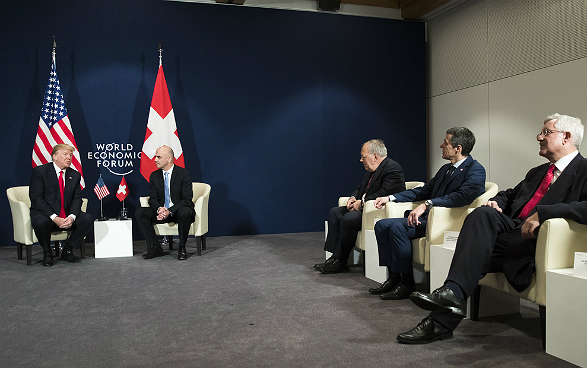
[123,190]
[161,128]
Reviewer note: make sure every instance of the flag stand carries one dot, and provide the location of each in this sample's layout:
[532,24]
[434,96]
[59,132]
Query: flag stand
[123,212]
[102,218]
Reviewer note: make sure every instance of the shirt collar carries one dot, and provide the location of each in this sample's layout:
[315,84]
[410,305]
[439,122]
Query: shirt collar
[456,165]
[170,170]
[563,162]
[57,169]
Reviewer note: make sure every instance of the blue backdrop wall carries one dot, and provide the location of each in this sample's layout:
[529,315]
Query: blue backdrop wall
[272,106]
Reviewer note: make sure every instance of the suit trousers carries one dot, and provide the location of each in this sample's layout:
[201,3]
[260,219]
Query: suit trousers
[146,217]
[342,232]
[394,238]
[485,237]
[43,226]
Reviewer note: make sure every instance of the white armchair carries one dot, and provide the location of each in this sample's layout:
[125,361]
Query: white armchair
[371,213]
[443,219]
[200,197]
[20,206]
[557,241]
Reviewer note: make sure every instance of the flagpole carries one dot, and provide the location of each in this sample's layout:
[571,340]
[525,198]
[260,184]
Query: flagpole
[160,51]
[53,53]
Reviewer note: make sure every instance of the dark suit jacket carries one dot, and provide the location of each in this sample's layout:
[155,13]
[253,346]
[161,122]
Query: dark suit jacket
[45,195]
[466,184]
[180,190]
[388,179]
[565,198]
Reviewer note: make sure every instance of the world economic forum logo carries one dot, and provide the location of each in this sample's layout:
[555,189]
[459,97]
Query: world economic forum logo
[118,158]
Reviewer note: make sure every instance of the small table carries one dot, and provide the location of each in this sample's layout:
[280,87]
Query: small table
[113,238]
[565,320]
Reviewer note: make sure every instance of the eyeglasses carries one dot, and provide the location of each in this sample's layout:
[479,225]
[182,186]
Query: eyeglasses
[545,132]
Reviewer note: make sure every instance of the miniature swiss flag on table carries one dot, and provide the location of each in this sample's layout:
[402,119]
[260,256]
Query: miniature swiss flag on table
[123,190]
[161,128]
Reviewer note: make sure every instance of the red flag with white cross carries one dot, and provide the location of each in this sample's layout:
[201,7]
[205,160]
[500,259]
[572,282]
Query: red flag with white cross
[123,190]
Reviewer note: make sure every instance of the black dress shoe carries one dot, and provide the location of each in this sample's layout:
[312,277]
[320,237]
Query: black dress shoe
[400,292]
[318,266]
[67,255]
[182,254]
[336,266]
[385,287]
[154,251]
[48,259]
[428,330]
[441,299]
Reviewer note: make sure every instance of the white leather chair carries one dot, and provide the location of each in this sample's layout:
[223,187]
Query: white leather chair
[199,228]
[557,241]
[443,219]
[20,206]
[371,213]
[439,220]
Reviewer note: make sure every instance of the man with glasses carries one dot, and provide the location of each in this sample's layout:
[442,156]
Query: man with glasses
[456,184]
[500,236]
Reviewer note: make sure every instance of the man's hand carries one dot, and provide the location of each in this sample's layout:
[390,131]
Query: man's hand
[529,226]
[63,223]
[381,202]
[350,203]
[356,206]
[493,204]
[162,213]
[413,217]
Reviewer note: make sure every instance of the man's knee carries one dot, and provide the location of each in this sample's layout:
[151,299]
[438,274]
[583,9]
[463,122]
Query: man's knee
[481,214]
[184,213]
[143,212]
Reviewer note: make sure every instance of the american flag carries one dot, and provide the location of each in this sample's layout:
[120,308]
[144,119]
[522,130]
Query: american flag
[100,188]
[54,126]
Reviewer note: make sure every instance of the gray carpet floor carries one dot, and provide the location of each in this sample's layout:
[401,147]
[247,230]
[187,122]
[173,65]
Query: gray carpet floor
[248,301]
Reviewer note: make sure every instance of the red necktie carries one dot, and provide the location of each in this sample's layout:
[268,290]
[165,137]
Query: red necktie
[539,193]
[61,189]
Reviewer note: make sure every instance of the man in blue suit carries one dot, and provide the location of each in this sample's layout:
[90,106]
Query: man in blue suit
[456,184]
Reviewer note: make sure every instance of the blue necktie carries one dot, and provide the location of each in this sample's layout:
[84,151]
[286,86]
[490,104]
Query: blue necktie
[166,189]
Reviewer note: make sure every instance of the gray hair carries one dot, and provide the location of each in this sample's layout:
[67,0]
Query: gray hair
[377,146]
[570,124]
[461,136]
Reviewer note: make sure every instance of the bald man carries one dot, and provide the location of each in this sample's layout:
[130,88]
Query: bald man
[170,200]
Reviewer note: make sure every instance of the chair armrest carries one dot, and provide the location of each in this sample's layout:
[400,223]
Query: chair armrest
[395,210]
[84,204]
[343,201]
[371,214]
[21,222]
[201,208]
[144,201]
[557,242]
[443,219]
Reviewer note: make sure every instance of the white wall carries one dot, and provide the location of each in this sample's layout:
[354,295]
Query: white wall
[493,70]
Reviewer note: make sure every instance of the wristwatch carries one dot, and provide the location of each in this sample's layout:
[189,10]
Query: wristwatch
[429,204]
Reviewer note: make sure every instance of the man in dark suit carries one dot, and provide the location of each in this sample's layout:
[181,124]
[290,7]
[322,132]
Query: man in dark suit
[56,203]
[170,200]
[500,236]
[384,176]
[456,184]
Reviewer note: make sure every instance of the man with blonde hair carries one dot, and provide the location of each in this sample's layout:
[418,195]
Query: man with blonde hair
[56,203]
